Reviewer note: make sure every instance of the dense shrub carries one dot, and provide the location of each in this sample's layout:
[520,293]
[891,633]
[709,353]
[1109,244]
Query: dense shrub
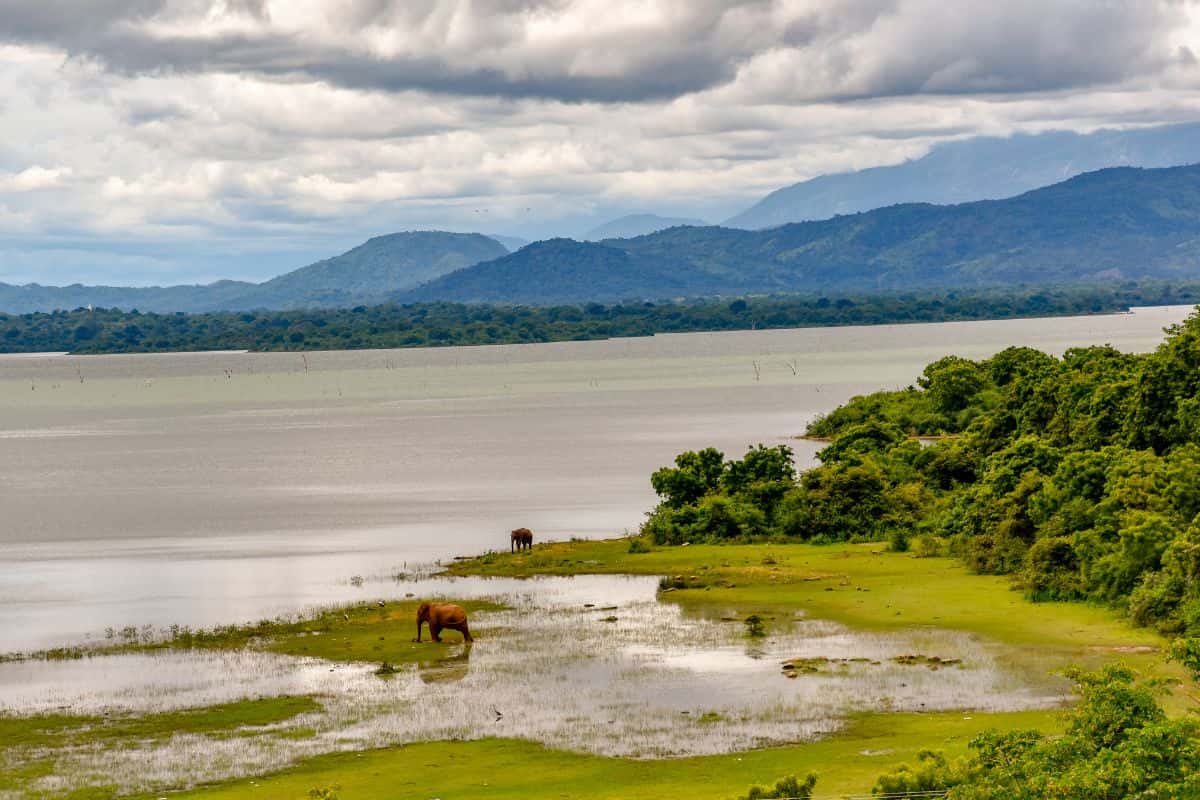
[1079,476]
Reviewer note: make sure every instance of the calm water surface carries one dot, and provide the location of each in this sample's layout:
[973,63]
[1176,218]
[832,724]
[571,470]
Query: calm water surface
[220,487]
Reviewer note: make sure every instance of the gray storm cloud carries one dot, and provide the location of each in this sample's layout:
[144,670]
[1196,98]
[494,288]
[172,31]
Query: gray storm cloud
[177,140]
[618,50]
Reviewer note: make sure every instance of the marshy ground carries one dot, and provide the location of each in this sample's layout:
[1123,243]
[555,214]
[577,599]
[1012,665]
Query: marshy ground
[590,676]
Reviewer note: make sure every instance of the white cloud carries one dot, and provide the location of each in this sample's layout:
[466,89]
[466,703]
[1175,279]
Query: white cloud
[31,179]
[239,127]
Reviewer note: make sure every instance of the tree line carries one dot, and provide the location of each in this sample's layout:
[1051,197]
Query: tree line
[442,324]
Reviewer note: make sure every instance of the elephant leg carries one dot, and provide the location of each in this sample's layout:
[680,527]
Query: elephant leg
[462,628]
[435,631]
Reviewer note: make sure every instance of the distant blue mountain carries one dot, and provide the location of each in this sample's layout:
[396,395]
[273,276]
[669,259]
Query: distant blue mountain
[636,225]
[510,243]
[981,168]
[366,274]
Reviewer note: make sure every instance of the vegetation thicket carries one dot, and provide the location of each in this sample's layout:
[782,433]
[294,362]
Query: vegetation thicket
[439,324]
[1118,744]
[1079,475]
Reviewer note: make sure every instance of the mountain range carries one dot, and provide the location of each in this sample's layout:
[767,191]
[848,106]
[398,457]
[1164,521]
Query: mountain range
[979,168]
[1113,224]
[1107,223]
[364,275]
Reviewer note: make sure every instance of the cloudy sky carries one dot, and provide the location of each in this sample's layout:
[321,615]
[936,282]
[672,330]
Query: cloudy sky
[161,141]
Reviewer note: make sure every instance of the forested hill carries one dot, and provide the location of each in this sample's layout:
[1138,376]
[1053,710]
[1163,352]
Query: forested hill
[366,274]
[1108,225]
[564,271]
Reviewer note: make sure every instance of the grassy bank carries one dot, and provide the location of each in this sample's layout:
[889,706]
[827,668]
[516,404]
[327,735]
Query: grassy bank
[380,631]
[503,769]
[860,585]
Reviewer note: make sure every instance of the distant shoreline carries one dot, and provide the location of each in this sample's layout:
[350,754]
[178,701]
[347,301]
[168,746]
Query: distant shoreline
[440,325]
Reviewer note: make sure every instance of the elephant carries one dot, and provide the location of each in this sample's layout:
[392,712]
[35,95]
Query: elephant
[522,539]
[443,616]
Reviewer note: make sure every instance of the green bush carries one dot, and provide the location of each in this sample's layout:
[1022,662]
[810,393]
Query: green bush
[791,788]
[929,546]
[637,544]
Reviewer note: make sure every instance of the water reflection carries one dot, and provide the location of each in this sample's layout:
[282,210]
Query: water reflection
[446,670]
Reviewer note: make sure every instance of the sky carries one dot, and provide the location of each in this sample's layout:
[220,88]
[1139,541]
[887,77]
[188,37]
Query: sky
[177,141]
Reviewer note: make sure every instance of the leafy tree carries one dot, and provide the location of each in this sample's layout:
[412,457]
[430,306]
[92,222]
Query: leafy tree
[952,383]
[695,475]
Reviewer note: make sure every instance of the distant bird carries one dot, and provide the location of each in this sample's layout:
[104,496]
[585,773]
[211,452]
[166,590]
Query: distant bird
[346,617]
[499,716]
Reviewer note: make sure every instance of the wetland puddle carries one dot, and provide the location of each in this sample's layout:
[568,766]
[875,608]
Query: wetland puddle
[643,679]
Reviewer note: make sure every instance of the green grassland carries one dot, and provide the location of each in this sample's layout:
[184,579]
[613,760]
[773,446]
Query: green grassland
[862,586]
[380,631]
[503,769]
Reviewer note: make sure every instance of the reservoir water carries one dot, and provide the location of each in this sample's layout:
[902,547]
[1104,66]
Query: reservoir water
[210,488]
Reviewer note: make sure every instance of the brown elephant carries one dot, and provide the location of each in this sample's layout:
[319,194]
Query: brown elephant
[522,539]
[441,616]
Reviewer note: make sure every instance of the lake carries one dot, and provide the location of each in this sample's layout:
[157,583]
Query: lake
[210,488]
